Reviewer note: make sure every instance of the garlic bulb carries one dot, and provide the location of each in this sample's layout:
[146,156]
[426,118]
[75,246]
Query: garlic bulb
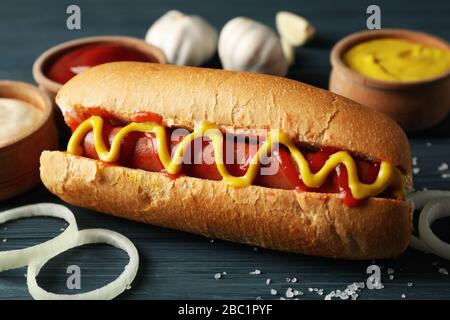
[247,45]
[184,39]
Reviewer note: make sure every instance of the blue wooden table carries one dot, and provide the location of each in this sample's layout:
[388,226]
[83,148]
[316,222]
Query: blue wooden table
[179,265]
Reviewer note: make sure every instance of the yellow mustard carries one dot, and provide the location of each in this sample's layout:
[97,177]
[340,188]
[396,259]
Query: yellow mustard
[388,175]
[397,60]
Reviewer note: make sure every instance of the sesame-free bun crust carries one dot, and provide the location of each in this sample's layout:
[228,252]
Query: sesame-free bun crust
[302,222]
[239,100]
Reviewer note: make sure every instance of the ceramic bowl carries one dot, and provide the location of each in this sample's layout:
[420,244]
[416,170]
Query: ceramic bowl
[414,105]
[42,63]
[19,156]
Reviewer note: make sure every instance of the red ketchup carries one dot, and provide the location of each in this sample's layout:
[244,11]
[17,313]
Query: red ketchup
[367,173]
[75,61]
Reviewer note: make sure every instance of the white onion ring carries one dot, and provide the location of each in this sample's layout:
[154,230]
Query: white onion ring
[421,198]
[18,258]
[428,242]
[432,212]
[109,291]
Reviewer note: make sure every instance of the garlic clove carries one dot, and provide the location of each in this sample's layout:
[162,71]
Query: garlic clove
[294,29]
[289,52]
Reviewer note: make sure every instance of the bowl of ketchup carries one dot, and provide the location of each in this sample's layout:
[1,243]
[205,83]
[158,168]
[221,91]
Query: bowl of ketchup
[59,64]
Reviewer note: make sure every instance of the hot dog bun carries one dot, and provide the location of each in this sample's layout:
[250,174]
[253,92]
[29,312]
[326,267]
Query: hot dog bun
[311,223]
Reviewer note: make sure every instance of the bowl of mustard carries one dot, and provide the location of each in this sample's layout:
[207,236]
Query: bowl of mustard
[404,74]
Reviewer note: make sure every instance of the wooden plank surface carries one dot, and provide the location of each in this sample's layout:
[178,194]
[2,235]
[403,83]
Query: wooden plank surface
[180,265]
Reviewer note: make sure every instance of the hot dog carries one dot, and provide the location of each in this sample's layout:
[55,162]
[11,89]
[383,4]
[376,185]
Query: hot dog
[244,157]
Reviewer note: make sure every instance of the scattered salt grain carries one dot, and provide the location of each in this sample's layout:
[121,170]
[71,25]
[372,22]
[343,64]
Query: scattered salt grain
[415,161]
[4,240]
[288,280]
[257,271]
[331,295]
[298,293]
[416,170]
[403,296]
[281,298]
[289,293]
[350,292]
[268,281]
[224,273]
[255,249]
[217,276]
[128,287]
[409,284]
[443,271]
[310,289]
[443,166]
[62,229]
[429,144]
[391,277]
[445,175]
[390,271]
[211,241]
[258,298]
[273,292]
[294,280]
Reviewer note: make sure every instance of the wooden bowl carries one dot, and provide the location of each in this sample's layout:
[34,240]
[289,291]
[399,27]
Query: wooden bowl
[48,57]
[414,105]
[19,157]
